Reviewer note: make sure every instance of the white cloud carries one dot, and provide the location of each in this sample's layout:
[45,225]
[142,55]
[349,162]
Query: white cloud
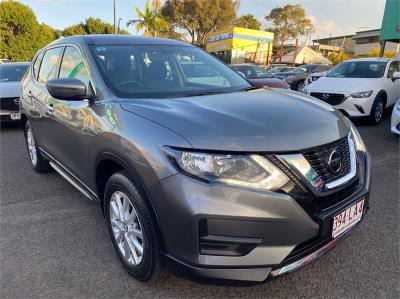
[325,28]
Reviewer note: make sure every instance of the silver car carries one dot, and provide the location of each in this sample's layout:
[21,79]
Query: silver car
[193,167]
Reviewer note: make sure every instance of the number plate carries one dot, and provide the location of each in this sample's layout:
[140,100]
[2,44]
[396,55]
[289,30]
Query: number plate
[348,218]
[15,116]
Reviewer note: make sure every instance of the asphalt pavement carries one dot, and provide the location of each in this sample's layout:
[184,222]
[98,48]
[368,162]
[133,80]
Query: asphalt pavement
[54,242]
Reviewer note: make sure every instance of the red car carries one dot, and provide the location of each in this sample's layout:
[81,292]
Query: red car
[259,77]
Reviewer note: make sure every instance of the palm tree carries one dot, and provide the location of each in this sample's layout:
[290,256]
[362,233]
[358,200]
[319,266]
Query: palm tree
[150,20]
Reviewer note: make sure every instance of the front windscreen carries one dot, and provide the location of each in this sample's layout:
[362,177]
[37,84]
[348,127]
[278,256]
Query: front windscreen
[12,72]
[359,69]
[159,71]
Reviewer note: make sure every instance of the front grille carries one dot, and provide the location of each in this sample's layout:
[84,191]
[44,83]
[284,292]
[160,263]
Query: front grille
[318,158]
[8,104]
[326,202]
[330,98]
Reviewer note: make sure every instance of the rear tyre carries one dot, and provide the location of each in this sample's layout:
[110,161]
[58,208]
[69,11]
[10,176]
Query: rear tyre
[377,110]
[300,86]
[132,228]
[38,162]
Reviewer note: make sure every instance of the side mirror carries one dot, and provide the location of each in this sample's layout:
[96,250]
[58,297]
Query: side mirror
[69,89]
[396,76]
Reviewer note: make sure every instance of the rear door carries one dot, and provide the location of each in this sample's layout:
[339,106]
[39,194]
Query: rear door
[45,68]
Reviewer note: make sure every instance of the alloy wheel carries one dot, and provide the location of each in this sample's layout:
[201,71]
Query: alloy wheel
[126,227]
[31,146]
[378,111]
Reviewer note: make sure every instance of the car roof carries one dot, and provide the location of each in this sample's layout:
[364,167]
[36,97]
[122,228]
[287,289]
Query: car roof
[382,59]
[15,63]
[117,39]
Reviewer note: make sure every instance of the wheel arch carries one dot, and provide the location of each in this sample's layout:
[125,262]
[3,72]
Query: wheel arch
[382,93]
[109,163]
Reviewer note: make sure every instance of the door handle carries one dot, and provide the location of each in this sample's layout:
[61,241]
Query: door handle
[50,107]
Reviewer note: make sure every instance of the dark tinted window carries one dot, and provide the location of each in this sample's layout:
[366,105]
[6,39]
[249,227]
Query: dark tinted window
[12,72]
[252,72]
[359,69]
[73,66]
[157,71]
[36,64]
[49,65]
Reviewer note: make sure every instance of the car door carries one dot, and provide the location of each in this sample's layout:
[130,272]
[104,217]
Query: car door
[45,68]
[392,86]
[68,118]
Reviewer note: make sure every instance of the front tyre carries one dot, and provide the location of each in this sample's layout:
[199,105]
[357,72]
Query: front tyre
[40,164]
[377,110]
[132,228]
[300,86]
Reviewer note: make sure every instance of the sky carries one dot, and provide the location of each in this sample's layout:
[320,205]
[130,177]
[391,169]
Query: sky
[330,17]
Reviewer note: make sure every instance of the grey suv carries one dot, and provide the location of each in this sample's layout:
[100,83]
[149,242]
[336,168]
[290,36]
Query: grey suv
[194,168]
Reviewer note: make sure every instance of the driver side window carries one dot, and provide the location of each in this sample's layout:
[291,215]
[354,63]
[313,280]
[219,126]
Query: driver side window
[73,66]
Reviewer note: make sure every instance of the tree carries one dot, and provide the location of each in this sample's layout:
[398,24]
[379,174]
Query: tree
[198,18]
[150,19]
[21,34]
[248,21]
[289,22]
[91,26]
[337,58]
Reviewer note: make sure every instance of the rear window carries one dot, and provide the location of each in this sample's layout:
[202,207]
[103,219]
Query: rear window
[12,72]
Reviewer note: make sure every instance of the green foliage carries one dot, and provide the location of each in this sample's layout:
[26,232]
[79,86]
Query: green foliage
[288,22]
[248,21]
[337,58]
[150,19]
[91,26]
[375,53]
[21,34]
[199,18]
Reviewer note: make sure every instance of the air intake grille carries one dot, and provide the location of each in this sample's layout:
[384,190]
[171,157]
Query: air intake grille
[8,104]
[330,98]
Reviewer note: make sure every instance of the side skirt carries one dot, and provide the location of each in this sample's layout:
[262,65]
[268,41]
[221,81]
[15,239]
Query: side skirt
[71,178]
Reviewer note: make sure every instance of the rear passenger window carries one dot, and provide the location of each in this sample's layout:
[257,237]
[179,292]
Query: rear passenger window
[48,68]
[73,66]
[36,65]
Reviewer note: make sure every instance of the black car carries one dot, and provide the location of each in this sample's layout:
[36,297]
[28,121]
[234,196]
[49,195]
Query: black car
[296,78]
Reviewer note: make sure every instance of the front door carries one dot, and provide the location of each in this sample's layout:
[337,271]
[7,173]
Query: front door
[69,118]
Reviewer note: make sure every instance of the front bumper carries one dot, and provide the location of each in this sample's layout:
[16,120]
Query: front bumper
[223,232]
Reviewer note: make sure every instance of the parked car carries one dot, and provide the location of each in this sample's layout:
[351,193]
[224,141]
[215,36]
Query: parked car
[4,60]
[258,76]
[314,77]
[219,178]
[395,123]
[296,78]
[360,87]
[10,89]
[281,69]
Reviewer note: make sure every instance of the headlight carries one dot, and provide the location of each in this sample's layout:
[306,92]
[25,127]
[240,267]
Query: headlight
[359,143]
[363,94]
[251,171]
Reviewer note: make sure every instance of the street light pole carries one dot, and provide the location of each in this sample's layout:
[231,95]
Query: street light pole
[115,20]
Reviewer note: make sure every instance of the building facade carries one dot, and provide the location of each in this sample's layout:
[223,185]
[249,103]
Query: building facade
[241,45]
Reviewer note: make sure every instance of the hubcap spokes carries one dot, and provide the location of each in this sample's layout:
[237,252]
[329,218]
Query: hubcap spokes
[126,228]
[31,147]
[379,111]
